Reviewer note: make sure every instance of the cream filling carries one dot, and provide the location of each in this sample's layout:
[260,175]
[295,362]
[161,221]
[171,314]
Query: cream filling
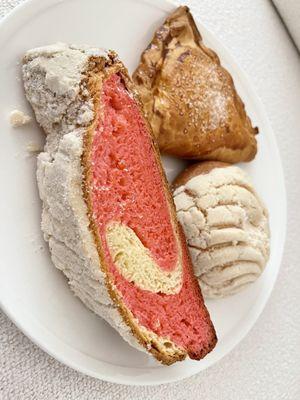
[135,263]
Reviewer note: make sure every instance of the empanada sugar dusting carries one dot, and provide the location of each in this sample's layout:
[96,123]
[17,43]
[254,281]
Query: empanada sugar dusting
[190,99]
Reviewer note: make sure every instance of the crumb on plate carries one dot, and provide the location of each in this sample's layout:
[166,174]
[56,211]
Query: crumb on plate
[33,147]
[18,118]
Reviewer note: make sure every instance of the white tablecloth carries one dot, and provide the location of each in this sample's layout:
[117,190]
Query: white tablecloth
[266,365]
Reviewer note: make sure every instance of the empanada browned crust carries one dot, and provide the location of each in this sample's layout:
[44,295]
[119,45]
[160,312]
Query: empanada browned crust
[190,99]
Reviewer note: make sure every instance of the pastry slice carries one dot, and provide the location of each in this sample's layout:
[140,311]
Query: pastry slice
[189,98]
[107,212]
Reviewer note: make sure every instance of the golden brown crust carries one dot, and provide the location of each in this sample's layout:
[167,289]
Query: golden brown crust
[97,74]
[189,98]
[196,169]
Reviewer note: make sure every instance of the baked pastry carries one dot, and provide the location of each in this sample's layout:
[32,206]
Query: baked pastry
[107,212]
[226,226]
[189,98]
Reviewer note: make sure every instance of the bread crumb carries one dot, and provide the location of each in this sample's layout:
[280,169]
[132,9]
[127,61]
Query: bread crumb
[33,148]
[18,118]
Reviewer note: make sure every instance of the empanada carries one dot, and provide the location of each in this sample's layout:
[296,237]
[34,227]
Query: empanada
[190,99]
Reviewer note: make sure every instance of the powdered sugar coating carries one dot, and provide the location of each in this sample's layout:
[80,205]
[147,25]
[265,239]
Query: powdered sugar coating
[53,79]
[64,114]
[207,107]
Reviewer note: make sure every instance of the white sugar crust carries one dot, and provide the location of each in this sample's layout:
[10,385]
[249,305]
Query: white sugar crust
[227,229]
[53,81]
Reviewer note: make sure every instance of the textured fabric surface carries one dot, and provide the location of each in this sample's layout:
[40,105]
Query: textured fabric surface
[290,13]
[266,364]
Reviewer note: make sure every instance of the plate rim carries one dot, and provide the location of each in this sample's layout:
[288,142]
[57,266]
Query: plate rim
[31,7]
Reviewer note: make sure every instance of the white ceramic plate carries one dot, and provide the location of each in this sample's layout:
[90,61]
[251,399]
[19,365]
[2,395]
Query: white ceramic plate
[32,292]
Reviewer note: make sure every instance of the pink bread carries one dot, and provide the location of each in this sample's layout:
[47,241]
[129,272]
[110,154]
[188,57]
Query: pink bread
[107,212]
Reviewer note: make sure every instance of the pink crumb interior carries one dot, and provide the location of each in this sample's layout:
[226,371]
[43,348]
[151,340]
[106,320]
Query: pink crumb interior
[127,188]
